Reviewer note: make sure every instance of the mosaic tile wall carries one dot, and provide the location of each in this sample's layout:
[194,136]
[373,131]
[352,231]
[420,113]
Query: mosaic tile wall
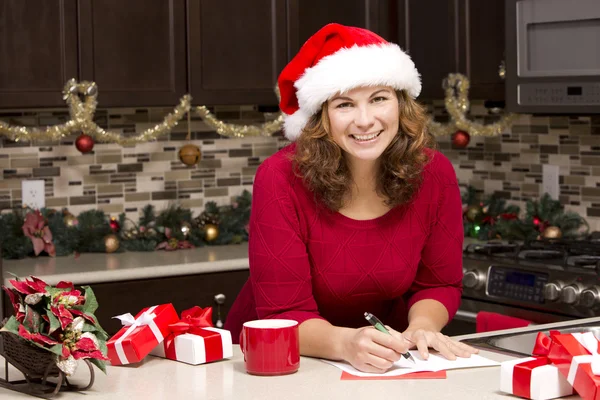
[117,179]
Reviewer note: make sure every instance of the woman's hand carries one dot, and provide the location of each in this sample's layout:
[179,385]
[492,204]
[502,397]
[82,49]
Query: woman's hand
[422,339]
[369,350]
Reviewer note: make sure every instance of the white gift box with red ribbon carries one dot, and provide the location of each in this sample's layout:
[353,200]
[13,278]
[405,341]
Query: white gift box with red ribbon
[204,345]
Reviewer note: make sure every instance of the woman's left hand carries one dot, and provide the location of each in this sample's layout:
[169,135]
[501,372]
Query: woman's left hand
[423,339]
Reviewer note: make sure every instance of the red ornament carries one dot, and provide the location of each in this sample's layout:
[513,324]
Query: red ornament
[84,143]
[460,139]
[536,221]
[114,225]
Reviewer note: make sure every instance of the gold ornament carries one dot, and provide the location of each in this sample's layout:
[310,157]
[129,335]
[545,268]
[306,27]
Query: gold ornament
[111,243]
[552,232]
[189,154]
[70,220]
[473,212]
[211,232]
[82,120]
[185,228]
[456,101]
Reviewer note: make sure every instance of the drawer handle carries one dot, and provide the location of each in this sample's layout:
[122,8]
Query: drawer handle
[219,300]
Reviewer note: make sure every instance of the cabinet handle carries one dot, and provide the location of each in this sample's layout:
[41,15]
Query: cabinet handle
[219,300]
[502,70]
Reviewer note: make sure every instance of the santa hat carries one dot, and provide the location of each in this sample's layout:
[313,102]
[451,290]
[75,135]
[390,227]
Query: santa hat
[336,59]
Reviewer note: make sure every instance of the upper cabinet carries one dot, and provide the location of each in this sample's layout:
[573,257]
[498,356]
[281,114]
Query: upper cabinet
[236,50]
[134,50]
[446,36]
[38,51]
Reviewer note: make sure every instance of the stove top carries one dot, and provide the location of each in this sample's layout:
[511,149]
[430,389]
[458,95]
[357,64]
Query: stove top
[552,275]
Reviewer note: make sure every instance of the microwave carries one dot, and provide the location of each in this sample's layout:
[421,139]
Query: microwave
[553,56]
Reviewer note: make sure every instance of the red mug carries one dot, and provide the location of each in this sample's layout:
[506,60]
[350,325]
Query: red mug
[271,346]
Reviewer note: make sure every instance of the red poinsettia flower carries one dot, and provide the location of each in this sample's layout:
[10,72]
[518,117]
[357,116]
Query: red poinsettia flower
[64,316]
[70,298]
[81,314]
[33,286]
[172,243]
[35,229]
[36,337]
[65,285]
[13,295]
[85,347]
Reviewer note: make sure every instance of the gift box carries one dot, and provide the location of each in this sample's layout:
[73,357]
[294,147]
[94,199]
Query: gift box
[577,358]
[194,341]
[140,334]
[534,377]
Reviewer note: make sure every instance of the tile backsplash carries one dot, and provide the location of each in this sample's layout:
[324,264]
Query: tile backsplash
[123,179]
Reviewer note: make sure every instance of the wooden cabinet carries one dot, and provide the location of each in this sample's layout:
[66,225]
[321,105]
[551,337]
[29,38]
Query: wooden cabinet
[134,50]
[462,36]
[38,51]
[237,48]
[183,292]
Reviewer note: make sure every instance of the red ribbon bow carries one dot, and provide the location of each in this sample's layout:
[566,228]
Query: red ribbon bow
[522,372]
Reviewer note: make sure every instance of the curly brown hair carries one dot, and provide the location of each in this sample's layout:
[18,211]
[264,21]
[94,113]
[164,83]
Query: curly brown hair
[322,166]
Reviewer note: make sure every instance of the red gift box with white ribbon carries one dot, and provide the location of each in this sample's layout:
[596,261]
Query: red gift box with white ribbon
[577,357]
[140,334]
[193,339]
[534,377]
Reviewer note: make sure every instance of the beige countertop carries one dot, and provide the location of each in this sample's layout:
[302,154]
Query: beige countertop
[157,378]
[101,267]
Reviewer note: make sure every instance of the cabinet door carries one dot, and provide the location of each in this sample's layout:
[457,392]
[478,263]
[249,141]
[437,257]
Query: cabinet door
[38,51]
[428,31]
[134,50]
[237,48]
[308,16]
[481,23]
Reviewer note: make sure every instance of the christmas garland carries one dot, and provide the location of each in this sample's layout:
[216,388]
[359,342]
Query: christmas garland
[26,232]
[492,218]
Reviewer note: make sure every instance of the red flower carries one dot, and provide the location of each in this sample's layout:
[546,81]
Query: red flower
[81,314]
[13,295]
[64,285]
[36,337]
[63,315]
[172,243]
[69,299]
[85,347]
[35,228]
[33,286]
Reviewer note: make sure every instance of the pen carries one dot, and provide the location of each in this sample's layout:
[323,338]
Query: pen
[373,320]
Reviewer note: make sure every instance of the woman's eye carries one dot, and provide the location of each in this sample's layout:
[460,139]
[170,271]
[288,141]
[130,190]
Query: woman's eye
[379,99]
[344,105]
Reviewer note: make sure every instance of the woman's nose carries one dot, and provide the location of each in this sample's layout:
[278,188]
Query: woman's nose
[363,117]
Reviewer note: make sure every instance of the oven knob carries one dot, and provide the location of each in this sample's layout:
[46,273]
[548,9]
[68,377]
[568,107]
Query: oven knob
[589,297]
[552,291]
[570,294]
[472,279]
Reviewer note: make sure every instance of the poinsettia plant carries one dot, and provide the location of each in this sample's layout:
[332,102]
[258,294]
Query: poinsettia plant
[59,319]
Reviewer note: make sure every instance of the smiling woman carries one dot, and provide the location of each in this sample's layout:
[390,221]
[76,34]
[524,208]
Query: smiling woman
[360,214]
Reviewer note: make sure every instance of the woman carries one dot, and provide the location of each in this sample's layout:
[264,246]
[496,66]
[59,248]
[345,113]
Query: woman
[359,214]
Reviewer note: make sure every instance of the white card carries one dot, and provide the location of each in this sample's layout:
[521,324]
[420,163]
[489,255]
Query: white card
[33,194]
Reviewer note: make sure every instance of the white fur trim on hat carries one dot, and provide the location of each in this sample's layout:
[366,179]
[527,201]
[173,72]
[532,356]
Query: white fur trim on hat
[346,69]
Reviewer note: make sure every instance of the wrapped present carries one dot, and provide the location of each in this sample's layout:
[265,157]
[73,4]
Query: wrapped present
[577,358]
[534,377]
[194,340]
[141,334]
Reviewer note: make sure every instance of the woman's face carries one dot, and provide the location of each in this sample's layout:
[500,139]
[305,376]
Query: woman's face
[363,121]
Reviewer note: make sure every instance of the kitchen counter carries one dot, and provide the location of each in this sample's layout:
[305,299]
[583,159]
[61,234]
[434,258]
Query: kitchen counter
[102,267]
[157,378]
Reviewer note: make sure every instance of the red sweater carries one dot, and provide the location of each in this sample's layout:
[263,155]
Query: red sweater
[309,262]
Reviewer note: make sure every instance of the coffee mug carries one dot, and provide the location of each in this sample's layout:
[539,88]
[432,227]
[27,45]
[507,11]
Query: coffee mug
[271,346]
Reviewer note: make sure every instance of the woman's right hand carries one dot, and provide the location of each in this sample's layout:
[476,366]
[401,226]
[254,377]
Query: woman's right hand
[369,350]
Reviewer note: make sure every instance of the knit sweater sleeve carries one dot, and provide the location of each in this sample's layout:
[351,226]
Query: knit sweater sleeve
[439,276]
[279,265]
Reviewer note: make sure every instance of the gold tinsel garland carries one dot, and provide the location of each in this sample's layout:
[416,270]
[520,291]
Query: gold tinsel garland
[82,118]
[456,102]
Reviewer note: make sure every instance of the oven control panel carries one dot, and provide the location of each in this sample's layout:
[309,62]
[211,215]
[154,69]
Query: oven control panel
[516,284]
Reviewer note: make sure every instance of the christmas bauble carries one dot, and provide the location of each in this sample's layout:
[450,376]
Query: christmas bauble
[84,143]
[70,220]
[473,212]
[114,225]
[111,243]
[185,228]
[189,154]
[92,90]
[461,139]
[211,232]
[552,232]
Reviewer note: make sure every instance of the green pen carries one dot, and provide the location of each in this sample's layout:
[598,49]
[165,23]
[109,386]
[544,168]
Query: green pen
[373,320]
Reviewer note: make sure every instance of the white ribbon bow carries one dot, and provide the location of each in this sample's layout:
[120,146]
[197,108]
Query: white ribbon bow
[590,342]
[146,318]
